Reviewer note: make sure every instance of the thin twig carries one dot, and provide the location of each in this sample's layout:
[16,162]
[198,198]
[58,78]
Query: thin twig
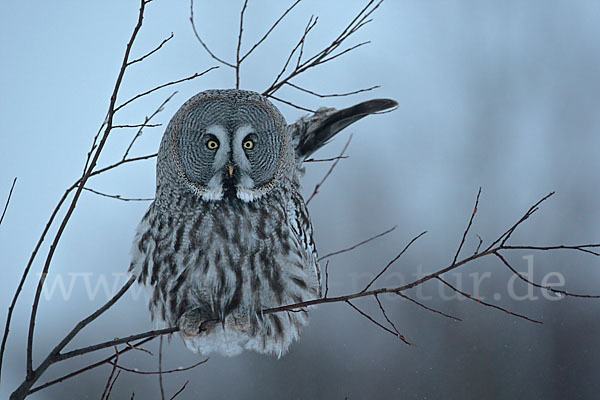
[137,126]
[367,316]
[585,248]
[160,371]
[462,241]
[238,62]
[289,103]
[164,85]
[502,239]
[117,196]
[117,164]
[389,264]
[266,35]
[326,159]
[89,367]
[55,355]
[537,285]
[326,54]
[112,385]
[326,279]
[335,163]
[470,297]
[202,42]
[157,48]
[400,336]
[433,310]
[179,391]
[8,200]
[332,94]
[335,253]
[145,124]
[110,377]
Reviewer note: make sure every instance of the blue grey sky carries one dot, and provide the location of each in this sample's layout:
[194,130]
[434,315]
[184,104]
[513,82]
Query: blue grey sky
[498,94]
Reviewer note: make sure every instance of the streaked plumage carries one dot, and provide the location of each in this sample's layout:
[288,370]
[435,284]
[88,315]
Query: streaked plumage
[228,234]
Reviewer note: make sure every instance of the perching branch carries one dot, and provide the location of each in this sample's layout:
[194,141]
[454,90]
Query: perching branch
[89,170]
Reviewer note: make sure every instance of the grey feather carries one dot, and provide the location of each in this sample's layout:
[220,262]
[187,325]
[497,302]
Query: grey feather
[228,234]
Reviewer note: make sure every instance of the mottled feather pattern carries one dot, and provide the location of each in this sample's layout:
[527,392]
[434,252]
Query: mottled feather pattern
[234,259]
[228,234]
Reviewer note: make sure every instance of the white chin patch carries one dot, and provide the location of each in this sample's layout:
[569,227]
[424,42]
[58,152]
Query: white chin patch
[247,195]
[214,189]
[213,194]
[244,189]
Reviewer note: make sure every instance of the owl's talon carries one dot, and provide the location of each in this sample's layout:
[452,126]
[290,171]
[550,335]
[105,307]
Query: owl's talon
[195,322]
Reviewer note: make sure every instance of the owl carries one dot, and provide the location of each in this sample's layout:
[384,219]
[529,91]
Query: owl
[228,234]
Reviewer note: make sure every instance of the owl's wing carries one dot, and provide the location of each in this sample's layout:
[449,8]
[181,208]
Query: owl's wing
[301,228]
[312,132]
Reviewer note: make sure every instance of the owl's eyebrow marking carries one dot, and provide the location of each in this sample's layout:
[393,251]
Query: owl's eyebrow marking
[217,130]
[243,131]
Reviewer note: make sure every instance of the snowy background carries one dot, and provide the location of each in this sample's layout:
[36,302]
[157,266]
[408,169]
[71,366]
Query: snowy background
[498,94]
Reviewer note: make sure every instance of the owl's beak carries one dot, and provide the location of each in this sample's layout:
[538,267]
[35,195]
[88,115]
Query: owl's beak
[230,170]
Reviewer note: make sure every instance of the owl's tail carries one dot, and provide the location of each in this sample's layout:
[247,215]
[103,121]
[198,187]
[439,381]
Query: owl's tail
[313,132]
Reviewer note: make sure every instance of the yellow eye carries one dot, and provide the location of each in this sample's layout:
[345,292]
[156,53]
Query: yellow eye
[212,144]
[248,144]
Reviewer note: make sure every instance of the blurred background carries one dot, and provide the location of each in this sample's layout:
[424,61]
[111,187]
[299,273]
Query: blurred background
[498,94]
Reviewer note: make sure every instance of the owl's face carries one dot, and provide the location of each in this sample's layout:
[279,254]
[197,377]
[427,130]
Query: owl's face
[229,147]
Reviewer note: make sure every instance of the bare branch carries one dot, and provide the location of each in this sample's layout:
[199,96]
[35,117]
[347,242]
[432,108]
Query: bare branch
[326,159]
[8,200]
[462,241]
[202,42]
[390,322]
[506,235]
[266,35]
[90,167]
[91,366]
[289,103]
[389,264]
[326,279]
[137,126]
[55,355]
[367,316]
[108,386]
[157,48]
[159,372]
[194,76]
[179,391]
[335,163]
[537,285]
[117,196]
[358,244]
[117,164]
[112,385]
[333,94]
[238,61]
[584,248]
[145,124]
[111,343]
[470,297]
[326,54]
[427,307]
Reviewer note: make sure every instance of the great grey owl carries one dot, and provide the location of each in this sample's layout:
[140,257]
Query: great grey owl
[228,234]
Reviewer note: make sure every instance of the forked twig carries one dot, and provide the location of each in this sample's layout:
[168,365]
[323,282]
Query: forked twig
[335,253]
[335,163]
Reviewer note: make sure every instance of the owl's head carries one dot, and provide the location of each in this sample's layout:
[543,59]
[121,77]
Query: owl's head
[226,143]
